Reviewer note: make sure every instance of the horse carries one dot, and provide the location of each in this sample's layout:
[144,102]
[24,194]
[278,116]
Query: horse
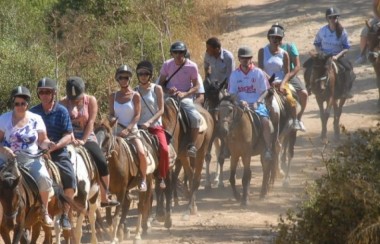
[374,52]
[213,94]
[174,122]
[124,176]
[238,125]
[323,76]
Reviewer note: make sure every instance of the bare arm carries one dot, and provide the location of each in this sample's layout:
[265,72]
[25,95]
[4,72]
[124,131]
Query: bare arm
[92,112]
[260,57]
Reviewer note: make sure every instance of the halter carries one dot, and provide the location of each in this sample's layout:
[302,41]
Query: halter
[234,108]
[14,213]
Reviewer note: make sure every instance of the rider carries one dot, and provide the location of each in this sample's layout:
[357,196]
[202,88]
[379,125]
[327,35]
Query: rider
[218,62]
[59,129]
[125,106]
[275,61]
[363,35]
[152,108]
[250,86]
[83,109]
[295,81]
[24,131]
[332,39]
[179,77]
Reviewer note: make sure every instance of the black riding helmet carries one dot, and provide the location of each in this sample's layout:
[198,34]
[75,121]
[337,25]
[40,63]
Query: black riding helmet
[332,12]
[279,26]
[123,69]
[21,91]
[178,47]
[75,88]
[145,65]
[276,31]
[47,83]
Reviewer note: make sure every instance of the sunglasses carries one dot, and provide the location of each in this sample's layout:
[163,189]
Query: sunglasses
[20,104]
[178,52]
[143,74]
[124,78]
[45,92]
[276,37]
[334,17]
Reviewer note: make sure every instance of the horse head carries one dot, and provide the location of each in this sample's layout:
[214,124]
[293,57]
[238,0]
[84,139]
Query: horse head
[10,196]
[322,65]
[228,110]
[373,38]
[103,131]
[214,93]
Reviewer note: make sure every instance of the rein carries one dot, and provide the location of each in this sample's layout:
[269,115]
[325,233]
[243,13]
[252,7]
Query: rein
[234,115]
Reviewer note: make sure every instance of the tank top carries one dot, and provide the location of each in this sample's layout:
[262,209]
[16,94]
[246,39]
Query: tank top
[149,105]
[124,111]
[273,64]
[79,118]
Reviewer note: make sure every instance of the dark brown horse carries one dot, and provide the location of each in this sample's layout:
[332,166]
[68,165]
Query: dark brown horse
[244,139]
[214,92]
[373,43]
[180,132]
[322,76]
[122,164]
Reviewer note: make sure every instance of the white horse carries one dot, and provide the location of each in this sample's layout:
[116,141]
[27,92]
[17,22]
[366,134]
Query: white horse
[86,193]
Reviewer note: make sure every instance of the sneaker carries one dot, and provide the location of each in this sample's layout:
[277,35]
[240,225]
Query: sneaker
[267,155]
[296,125]
[47,221]
[110,203]
[143,187]
[65,222]
[361,60]
[192,151]
[302,126]
[162,184]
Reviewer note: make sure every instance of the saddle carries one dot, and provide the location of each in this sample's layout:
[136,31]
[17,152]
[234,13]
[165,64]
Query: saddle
[184,119]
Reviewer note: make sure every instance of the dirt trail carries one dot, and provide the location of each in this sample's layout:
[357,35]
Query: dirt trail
[220,218]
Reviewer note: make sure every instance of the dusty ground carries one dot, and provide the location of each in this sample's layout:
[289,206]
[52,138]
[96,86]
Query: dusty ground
[220,218]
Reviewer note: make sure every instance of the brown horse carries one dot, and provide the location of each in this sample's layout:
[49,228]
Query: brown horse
[322,76]
[122,164]
[244,139]
[374,52]
[174,122]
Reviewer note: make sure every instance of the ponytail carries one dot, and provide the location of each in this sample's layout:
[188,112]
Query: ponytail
[339,29]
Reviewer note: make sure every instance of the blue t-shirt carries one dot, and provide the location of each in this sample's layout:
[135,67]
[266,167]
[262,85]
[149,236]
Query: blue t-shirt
[329,43]
[57,121]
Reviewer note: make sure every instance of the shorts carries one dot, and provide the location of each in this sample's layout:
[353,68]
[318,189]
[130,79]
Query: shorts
[297,84]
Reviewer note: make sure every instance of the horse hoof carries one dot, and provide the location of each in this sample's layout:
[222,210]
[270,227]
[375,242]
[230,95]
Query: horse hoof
[237,197]
[244,203]
[194,210]
[208,187]
[285,183]
[127,233]
[185,216]
[168,223]
[160,218]
[221,185]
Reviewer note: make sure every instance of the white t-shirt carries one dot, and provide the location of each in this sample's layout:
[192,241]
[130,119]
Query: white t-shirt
[24,138]
[248,86]
[328,42]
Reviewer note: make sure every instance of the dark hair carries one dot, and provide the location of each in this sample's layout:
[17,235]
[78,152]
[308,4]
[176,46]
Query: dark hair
[214,42]
[339,29]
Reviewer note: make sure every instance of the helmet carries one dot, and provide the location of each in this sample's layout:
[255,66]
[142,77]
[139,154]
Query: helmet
[332,12]
[21,91]
[123,68]
[47,83]
[178,46]
[145,65]
[245,52]
[74,87]
[276,31]
[279,26]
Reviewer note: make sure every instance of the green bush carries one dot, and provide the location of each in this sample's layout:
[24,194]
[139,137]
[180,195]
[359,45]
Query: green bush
[343,206]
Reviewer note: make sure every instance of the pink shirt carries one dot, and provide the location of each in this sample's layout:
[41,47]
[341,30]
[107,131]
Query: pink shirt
[182,79]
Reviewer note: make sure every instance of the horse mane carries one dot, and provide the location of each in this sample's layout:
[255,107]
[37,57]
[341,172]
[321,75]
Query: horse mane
[229,98]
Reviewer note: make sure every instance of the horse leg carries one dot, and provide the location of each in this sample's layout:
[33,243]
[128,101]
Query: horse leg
[168,196]
[92,219]
[266,176]
[323,118]
[36,230]
[5,235]
[337,113]
[291,141]
[175,174]
[246,179]
[208,161]
[234,162]
[160,213]
[120,224]
[121,197]
[221,157]
[146,207]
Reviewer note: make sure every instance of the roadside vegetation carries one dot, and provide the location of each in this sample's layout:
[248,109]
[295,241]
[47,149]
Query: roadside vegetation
[342,206]
[91,38]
